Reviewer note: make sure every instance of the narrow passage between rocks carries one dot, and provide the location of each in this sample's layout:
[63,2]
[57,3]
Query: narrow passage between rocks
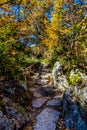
[46,113]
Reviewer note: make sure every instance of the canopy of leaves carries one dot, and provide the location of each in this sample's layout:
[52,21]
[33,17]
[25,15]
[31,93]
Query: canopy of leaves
[25,23]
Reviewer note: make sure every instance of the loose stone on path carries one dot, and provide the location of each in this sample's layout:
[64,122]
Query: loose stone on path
[47,119]
[47,91]
[54,103]
[38,102]
[36,94]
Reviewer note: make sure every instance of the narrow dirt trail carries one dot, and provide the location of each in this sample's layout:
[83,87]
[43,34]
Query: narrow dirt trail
[46,110]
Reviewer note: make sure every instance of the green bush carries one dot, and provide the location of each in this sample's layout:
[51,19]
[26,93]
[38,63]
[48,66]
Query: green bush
[74,78]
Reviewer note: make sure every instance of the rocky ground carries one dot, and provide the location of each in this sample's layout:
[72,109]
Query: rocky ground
[38,106]
[46,104]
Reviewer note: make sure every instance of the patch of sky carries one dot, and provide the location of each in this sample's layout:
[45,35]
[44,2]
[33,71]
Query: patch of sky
[68,25]
[66,7]
[48,14]
[16,11]
[29,43]
[33,37]
[3,12]
[84,2]
[81,2]
[21,39]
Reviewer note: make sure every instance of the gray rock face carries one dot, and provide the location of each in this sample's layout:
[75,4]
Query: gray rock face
[11,111]
[81,90]
[47,91]
[83,77]
[72,114]
[83,95]
[60,80]
[38,102]
[47,120]
[54,103]
[46,76]
[16,120]
[5,124]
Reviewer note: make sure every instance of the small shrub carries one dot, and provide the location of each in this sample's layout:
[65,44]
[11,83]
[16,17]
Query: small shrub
[74,78]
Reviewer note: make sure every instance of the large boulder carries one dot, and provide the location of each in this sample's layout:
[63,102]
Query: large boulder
[82,91]
[47,119]
[12,119]
[47,91]
[60,80]
[79,88]
[72,113]
[82,94]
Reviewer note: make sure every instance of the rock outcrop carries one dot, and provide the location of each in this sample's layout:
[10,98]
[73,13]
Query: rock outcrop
[60,80]
[12,119]
[47,119]
[76,90]
[72,114]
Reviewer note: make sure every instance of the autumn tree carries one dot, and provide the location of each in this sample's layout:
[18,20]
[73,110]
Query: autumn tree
[22,24]
[54,30]
[64,33]
[34,24]
[74,46]
[13,54]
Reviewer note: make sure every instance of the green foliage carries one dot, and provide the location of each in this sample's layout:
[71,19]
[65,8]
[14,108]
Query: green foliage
[12,53]
[74,78]
[2,103]
[63,38]
[20,109]
[69,42]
